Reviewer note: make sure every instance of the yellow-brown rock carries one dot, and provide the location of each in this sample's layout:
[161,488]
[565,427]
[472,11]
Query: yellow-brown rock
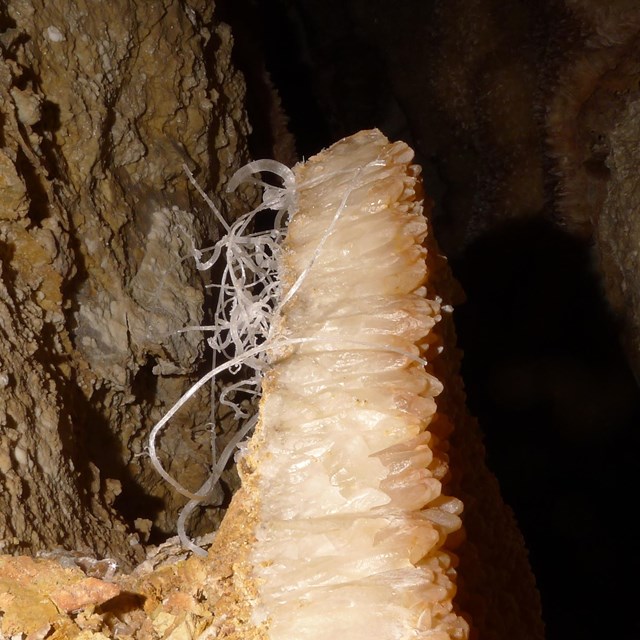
[101,105]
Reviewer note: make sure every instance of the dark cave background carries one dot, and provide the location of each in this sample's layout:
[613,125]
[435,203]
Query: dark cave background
[543,369]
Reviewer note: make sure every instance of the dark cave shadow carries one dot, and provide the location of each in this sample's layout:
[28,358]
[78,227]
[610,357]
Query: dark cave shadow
[96,442]
[559,407]
[261,32]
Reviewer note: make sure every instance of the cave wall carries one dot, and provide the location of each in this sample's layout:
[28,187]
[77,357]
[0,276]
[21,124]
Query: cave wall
[100,106]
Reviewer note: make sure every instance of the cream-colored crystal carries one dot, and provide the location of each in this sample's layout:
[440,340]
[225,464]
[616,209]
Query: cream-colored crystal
[351,517]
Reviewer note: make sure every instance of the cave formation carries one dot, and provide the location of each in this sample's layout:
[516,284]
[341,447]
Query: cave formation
[525,121]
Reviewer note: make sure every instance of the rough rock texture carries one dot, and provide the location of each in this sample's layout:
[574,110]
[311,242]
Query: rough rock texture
[593,138]
[71,597]
[617,231]
[597,75]
[100,106]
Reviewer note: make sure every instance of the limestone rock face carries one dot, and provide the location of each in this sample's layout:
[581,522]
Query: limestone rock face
[100,106]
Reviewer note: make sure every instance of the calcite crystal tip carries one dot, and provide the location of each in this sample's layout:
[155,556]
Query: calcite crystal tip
[340,528]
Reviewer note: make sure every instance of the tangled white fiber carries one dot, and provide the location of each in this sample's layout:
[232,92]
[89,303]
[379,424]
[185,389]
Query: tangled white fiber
[247,295]
[249,302]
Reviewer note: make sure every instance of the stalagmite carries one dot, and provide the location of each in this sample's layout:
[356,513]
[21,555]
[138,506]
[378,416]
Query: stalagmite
[342,509]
